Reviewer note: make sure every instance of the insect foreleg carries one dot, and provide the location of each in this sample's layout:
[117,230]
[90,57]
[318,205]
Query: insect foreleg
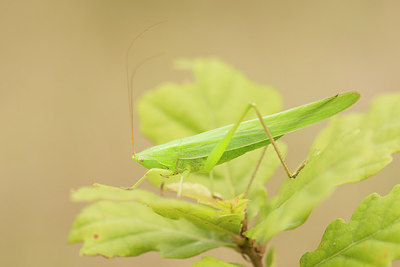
[154,171]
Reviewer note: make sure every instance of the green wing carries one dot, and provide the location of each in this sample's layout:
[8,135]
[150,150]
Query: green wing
[250,135]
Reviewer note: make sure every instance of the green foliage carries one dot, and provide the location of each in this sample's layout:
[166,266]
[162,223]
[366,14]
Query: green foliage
[122,222]
[213,262]
[130,229]
[270,259]
[217,97]
[118,226]
[370,238]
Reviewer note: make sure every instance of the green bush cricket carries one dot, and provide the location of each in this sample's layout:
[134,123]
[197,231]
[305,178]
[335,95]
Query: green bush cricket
[201,152]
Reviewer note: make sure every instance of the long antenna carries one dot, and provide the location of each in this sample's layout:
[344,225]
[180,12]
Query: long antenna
[131,75]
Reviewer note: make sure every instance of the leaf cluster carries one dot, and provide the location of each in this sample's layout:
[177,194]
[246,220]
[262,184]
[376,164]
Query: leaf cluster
[350,149]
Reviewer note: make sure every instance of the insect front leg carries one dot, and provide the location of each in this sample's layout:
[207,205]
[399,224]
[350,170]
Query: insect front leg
[152,172]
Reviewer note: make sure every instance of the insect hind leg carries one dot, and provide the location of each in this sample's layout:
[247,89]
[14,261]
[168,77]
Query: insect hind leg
[271,139]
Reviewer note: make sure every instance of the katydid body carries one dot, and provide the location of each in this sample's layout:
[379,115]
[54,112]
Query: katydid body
[201,152]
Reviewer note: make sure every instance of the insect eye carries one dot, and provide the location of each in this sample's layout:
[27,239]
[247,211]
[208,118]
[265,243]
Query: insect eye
[141,159]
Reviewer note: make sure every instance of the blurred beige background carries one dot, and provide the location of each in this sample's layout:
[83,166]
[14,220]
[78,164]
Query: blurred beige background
[63,99]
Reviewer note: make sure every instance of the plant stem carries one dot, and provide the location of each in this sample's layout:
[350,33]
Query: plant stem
[253,251]
[250,248]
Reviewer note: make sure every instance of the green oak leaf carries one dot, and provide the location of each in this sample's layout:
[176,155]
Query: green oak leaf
[203,216]
[352,148]
[370,238]
[207,217]
[195,191]
[130,222]
[217,97]
[214,262]
[129,229]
